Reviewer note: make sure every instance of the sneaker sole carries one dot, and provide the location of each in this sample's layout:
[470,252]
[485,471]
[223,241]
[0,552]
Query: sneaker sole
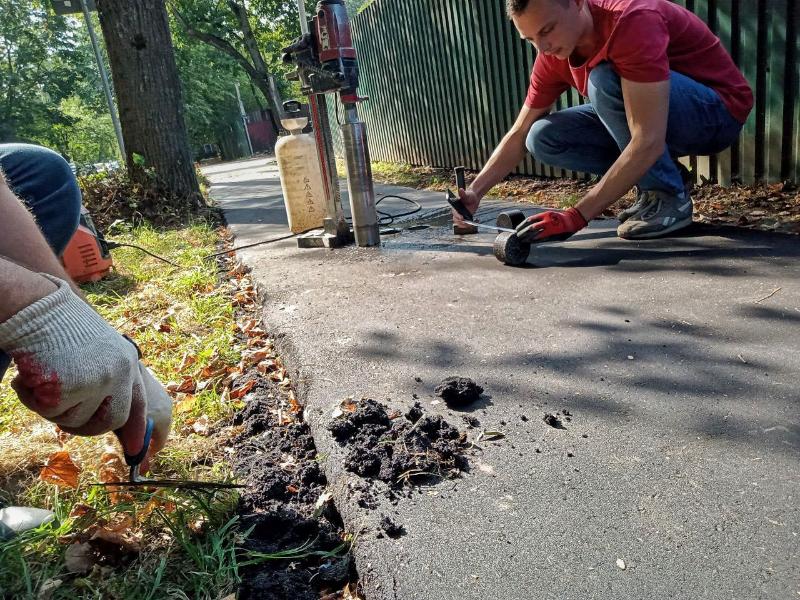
[654,234]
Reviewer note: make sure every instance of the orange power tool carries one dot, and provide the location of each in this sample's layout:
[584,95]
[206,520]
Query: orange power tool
[87,256]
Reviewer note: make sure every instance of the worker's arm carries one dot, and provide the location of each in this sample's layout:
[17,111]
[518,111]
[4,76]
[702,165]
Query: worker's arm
[19,288]
[647,109]
[505,158]
[73,368]
[22,241]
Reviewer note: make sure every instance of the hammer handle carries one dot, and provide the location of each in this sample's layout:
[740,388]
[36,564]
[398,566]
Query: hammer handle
[460,180]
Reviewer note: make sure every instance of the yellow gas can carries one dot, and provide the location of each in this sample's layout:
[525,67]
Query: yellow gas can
[301,177]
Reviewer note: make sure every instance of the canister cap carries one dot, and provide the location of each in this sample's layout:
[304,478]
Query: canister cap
[295,116]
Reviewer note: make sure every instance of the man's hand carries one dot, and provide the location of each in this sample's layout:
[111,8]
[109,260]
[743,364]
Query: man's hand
[551,226]
[471,201]
[75,370]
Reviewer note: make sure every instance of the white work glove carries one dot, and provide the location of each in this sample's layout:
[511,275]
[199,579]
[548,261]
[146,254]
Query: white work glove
[78,372]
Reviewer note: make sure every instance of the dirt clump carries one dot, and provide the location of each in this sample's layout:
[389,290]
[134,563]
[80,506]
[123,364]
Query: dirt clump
[415,413]
[472,422]
[458,391]
[399,451]
[553,421]
[391,528]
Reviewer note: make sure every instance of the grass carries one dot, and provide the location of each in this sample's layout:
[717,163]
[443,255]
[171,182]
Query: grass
[185,324]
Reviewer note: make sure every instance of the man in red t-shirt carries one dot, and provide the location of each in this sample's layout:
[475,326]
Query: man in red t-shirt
[660,86]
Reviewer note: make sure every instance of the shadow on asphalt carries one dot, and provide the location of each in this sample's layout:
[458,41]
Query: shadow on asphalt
[606,383]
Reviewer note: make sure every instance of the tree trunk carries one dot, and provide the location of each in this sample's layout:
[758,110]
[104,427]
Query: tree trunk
[148,92]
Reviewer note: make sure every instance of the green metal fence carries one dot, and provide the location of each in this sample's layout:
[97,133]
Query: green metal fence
[446,79]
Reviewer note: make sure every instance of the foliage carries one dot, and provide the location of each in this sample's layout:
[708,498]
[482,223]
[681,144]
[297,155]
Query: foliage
[49,83]
[113,196]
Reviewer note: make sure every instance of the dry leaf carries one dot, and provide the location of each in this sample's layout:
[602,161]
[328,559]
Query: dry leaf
[187,386]
[81,510]
[186,404]
[201,426]
[187,361]
[60,470]
[242,390]
[79,558]
[125,541]
[292,489]
[211,371]
[294,405]
[265,366]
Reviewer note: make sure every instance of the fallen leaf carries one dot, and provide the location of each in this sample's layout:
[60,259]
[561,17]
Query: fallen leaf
[294,405]
[201,426]
[213,371]
[348,405]
[48,588]
[79,558]
[242,390]
[124,541]
[186,404]
[488,436]
[81,510]
[199,525]
[292,489]
[60,470]
[187,361]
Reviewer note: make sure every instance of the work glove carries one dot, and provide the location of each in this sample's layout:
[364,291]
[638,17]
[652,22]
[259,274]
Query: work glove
[78,372]
[551,226]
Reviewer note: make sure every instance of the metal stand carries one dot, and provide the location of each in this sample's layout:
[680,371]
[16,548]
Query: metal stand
[335,231]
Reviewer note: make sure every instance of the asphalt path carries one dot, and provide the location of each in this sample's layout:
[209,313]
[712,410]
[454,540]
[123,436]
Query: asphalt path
[678,359]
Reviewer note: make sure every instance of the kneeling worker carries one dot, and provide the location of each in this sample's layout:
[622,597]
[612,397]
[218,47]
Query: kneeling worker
[660,86]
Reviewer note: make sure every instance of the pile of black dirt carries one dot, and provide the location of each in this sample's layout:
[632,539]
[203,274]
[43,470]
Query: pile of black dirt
[281,507]
[458,391]
[404,450]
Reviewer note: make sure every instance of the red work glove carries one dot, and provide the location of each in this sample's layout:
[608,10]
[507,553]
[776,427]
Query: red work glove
[551,226]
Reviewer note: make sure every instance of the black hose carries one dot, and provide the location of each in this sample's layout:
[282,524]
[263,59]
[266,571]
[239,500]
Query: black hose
[111,245]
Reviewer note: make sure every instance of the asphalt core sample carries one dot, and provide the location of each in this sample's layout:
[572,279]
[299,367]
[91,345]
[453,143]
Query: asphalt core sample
[400,450]
[458,391]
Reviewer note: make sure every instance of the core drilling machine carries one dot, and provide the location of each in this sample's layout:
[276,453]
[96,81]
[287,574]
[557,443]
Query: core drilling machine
[326,63]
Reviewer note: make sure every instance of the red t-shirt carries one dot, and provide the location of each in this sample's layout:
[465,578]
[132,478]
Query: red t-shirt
[644,40]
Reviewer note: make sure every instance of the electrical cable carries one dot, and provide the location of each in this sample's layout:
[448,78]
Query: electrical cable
[111,245]
[391,218]
[234,249]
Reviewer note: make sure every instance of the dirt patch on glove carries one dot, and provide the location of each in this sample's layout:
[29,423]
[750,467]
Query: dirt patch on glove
[399,451]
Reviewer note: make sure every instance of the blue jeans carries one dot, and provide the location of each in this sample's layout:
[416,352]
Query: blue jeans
[44,182]
[590,137]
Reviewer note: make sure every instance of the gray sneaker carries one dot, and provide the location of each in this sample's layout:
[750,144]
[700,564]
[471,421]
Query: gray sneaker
[688,186]
[641,198]
[662,213]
